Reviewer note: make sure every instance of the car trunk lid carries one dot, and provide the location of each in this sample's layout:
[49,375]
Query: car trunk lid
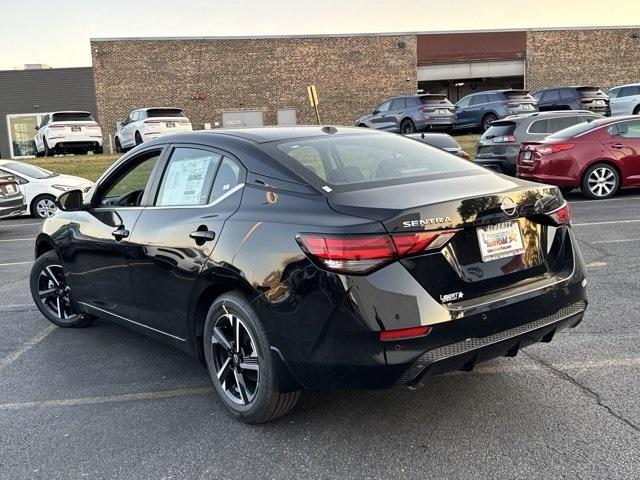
[461,270]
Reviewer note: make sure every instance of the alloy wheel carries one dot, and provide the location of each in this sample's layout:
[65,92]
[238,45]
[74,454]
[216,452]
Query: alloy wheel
[601,182]
[46,208]
[235,358]
[54,293]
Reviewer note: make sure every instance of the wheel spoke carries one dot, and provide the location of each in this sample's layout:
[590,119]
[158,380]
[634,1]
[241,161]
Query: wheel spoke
[249,363]
[224,369]
[218,337]
[237,327]
[50,274]
[242,387]
[47,293]
[58,307]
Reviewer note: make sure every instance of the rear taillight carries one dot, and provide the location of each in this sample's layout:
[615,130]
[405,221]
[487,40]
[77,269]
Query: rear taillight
[562,215]
[360,254]
[57,126]
[555,148]
[185,122]
[512,104]
[585,100]
[504,139]
[404,333]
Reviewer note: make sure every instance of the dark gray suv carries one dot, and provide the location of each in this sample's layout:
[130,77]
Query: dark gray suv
[411,113]
[499,146]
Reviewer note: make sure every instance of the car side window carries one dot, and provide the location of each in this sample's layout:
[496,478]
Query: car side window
[227,177]
[539,126]
[613,93]
[464,102]
[126,187]
[412,102]
[629,129]
[560,123]
[384,106]
[397,104]
[479,99]
[551,96]
[44,121]
[188,177]
[566,93]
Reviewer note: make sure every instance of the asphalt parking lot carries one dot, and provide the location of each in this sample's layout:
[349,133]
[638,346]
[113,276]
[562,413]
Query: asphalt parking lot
[104,402]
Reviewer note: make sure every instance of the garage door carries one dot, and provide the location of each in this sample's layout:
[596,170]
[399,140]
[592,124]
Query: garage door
[242,119]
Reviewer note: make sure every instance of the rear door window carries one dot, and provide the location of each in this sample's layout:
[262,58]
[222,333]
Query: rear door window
[397,104]
[479,99]
[188,177]
[629,91]
[629,129]
[539,126]
[412,102]
[551,96]
[561,123]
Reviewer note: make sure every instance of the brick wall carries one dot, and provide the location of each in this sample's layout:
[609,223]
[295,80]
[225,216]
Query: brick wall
[351,74]
[602,58]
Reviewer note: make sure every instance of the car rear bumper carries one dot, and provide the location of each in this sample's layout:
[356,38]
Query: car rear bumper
[76,143]
[502,164]
[556,180]
[436,122]
[12,207]
[464,355]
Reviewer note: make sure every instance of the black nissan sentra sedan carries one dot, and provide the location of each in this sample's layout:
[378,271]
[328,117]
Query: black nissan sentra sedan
[312,258]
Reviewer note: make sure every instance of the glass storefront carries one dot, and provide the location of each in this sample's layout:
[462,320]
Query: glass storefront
[22,128]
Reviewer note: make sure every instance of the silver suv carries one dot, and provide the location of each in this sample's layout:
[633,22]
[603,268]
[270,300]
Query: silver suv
[499,146]
[625,99]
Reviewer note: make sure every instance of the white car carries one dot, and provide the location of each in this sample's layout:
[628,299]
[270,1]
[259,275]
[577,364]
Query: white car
[148,123]
[68,132]
[41,187]
[625,99]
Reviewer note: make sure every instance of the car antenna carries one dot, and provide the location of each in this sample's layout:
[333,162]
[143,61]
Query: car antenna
[329,129]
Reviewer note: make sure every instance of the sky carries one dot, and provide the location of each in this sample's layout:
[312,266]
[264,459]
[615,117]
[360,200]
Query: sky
[57,32]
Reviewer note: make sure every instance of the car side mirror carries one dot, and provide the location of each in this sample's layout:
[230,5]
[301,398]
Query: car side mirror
[375,112]
[71,201]
[119,124]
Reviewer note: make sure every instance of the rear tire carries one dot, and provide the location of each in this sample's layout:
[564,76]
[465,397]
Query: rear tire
[407,126]
[636,111]
[243,373]
[119,148]
[487,121]
[47,151]
[53,295]
[600,181]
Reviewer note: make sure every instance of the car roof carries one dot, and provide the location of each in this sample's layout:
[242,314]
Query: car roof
[274,134]
[519,117]
[69,111]
[158,108]
[626,85]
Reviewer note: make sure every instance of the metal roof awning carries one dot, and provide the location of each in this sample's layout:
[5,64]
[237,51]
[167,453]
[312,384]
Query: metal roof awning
[463,70]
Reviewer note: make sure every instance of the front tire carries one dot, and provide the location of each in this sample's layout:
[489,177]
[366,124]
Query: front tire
[407,126]
[119,148]
[240,362]
[52,294]
[138,138]
[47,151]
[43,206]
[600,181]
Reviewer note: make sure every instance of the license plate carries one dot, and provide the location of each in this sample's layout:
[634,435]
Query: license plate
[599,103]
[171,124]
[442,112]
[76,129]
[500,241]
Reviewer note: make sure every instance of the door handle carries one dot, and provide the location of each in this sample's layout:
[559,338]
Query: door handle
[120,233]
[618,145]
[203,236]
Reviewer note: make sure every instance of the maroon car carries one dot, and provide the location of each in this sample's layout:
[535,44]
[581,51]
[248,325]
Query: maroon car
[598,157]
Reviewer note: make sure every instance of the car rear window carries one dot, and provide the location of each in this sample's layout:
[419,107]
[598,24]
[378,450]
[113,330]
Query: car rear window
[440,141]
[499,129]
[165,112]
[434,100]
[517,95]
[353,162]
[590,92]
[72,117]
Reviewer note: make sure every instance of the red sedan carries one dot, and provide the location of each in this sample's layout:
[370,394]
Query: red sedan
[598,157]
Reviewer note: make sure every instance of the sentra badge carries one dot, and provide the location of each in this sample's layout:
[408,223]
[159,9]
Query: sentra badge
[424,222]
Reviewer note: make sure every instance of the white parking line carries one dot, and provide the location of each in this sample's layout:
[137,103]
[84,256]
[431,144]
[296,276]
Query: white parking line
[18,240]
[28,345]
[127,397]
[625,240]
[20,225]
[14,264]
[613,222]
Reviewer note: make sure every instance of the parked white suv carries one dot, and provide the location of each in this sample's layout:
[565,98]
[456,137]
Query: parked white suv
[625,99]
[148,123]
[41,187]
[68,132]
